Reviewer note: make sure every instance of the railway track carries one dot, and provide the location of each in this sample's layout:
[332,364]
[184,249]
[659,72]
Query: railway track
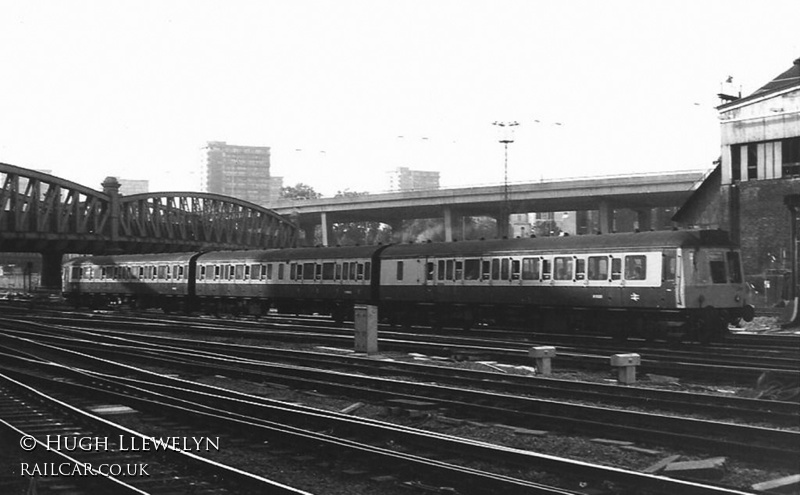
[56,441]
[291,375]
[696,363]
[715,406]
[301,425]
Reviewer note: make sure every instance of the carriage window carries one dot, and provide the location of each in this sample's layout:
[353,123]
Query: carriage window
[734,268]
[450,265]
[429,269]
[459,270]
[616,268]
[580,269]
[162,272]
[515,269]
[239,272]
[504,270]
[141,272]
[563,268]
[293,271]
[486,270]
[181,271]
[495,269]
[353,266]
[318,271]
[345,270]
[440,273]
[232,271]
[255,271]
[530,268]
[669,264]
[547,269]
[399,270]
[337,274]
[269,271]
[307,271]
[201,273]
[281,270]
[246,272]
[360,271]
[635,267]
[716,262]
[367,270]
[472,269]
[327,270]
[103,272]
[76,273]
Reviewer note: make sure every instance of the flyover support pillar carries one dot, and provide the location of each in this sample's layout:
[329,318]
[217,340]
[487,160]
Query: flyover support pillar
[503,224]
[51,271]
[308,233]
[327,229]
[644,219]
[397,230]
[606,220]
[448,224]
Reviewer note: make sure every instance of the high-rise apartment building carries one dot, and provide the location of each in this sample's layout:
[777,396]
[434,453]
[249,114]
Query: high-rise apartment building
[405,179]
[128,187]
[241,172]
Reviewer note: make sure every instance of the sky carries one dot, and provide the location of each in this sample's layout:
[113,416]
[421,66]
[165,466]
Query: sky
[344,91]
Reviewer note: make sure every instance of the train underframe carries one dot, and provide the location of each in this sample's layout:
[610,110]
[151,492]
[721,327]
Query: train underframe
[703,325]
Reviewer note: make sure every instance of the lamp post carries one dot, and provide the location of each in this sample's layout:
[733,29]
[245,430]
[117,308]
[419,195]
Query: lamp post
[506,138]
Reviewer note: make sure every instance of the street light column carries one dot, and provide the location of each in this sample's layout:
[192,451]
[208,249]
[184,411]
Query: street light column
[506,138]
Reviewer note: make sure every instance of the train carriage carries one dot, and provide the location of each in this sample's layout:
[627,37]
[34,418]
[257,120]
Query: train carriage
[163,280]
[687,283]
[303,280]
[681,281]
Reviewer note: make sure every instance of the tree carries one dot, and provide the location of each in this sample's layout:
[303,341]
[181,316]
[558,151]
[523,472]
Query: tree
[361,233]
[299,191]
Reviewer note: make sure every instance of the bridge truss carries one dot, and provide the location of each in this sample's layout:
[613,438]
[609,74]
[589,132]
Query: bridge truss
[46,214]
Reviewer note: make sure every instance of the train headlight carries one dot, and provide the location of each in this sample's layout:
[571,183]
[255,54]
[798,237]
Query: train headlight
[737,298]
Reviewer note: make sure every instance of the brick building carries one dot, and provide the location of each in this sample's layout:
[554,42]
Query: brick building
[754,190]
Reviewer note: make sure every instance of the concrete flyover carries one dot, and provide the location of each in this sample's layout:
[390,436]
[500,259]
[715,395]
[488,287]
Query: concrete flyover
[605,194]
[52,216]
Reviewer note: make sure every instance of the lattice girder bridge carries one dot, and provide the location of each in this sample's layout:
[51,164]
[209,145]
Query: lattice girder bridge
[49,215]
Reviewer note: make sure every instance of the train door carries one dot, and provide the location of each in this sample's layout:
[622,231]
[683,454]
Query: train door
[429,279]
[615,282]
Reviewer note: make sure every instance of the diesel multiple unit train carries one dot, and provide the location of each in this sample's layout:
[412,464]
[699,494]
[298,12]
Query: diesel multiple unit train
[687,284]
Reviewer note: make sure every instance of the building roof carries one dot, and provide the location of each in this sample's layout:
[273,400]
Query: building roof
[787,79]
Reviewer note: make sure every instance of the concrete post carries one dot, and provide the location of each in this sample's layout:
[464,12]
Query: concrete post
[366,328]
[626,365]
[542,355]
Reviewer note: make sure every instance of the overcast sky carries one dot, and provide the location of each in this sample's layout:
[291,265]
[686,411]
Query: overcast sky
[345,90]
